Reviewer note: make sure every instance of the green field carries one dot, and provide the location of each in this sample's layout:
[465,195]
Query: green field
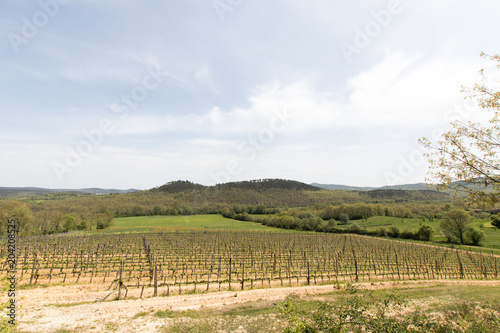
[492,234]
[175,223]
[218,222]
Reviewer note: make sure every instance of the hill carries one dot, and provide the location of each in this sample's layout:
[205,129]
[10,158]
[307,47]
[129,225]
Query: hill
[268,184]
[417,186]
[398,195]
[178,186]
[335,187]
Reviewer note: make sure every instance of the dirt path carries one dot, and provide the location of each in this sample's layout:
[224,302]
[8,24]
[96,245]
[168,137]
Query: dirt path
[74,307]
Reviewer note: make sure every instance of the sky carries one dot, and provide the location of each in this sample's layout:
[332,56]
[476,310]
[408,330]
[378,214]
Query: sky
[134,94]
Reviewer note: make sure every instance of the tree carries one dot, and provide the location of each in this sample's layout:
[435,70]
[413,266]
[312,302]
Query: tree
[474,236]
[394,232]
[495,221]
[425,232]
[18,211]
[343,218]
[83,225]
[103,220]
[468,154]
[454,224]
[69,223]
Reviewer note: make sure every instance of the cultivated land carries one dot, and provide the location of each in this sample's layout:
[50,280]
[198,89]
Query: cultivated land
[243,266]
[490,243]
[226,280]
[181,223]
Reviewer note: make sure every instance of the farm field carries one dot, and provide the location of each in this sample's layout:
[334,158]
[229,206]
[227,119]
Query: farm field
[181,223]
[492,234]
[195,280]
[173,263]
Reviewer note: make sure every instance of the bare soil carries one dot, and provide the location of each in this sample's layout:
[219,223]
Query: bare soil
[80,308]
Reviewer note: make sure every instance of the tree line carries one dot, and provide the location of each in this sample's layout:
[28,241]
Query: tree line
[50,214]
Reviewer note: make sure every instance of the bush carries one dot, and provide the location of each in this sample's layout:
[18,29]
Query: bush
[83,225]
[474,236]
[354,228]
[243,217]
[69,223]
[407,234]
[360,311]
[495,221]
[102,224]
[344,218]
[382,232]
[425,232]
[394,232]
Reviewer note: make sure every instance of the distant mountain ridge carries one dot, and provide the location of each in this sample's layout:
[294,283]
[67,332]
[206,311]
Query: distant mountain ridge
[417,186]
[31,191]
[186,186]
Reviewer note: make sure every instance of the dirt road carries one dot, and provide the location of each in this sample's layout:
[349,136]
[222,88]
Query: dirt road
[80,307]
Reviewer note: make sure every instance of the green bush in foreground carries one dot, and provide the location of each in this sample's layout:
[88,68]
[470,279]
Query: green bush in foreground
[362,312]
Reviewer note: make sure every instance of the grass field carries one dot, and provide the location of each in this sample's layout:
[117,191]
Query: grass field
[218,222]
[175,223]
[492,234]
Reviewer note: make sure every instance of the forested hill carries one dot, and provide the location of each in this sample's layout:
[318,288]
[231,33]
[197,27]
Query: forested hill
[50,213]
[178,186]
[267,184]
[405,195]
[255,185]
[417,186]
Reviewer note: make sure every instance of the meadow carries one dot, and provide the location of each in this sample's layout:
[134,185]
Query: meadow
[491,241]
[211,222]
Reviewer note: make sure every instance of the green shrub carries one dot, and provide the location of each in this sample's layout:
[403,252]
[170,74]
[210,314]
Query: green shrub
[474,236]
[394,232]
[407,234]
[495,221]
[425,232]
[83,225]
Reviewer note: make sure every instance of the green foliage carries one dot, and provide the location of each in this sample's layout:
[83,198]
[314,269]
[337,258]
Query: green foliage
[382,232]
[165,314]
[266,184]
[68,223]
[495,221]
[174,223]
[178,187]
[408,234]
[356,311]
[361,311]
[406,195]
[18,211]
[343,218]
[278,203]
[425,232]
[466,158]
[83,225]
[394,232]
[474,236]
[454,224]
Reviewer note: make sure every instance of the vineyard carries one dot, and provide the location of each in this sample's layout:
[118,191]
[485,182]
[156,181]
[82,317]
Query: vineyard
[162,264]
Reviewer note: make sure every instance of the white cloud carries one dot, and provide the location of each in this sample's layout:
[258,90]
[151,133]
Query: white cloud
[205,78]
[225,84]
[406,91]
[402,91]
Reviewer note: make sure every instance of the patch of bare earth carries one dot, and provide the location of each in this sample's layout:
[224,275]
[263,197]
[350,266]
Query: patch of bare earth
[80,308]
